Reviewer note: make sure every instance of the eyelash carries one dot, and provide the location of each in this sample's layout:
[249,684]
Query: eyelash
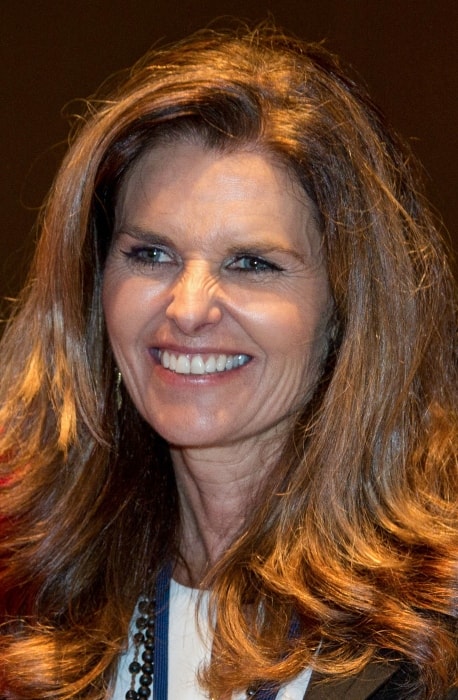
[148,256]
[259,265]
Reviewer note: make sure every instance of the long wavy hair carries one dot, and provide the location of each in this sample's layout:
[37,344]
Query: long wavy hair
[355,535]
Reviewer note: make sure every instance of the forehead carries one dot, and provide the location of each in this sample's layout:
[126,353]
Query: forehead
[164,163]
[187,184]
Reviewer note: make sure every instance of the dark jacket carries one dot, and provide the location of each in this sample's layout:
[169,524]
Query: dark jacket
[375,682]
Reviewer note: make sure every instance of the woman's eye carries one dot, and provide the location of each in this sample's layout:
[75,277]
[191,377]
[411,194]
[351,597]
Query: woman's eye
[253,263]
[149,255]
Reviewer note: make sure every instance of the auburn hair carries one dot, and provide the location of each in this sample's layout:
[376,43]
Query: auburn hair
[355,535]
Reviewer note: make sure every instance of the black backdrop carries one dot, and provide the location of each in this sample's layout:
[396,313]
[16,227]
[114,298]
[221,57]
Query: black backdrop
[53,51]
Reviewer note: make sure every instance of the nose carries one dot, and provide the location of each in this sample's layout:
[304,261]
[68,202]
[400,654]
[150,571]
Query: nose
[194,303]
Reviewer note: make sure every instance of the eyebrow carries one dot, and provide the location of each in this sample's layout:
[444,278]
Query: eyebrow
[255,247]
[264,248]
[144,235]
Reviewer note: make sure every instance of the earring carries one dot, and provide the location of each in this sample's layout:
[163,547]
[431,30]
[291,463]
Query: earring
[117,388]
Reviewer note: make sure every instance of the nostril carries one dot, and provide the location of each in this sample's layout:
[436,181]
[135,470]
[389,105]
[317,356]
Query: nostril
[190,313]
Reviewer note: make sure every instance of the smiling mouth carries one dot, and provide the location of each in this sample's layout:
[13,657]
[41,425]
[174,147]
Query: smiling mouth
[196,364]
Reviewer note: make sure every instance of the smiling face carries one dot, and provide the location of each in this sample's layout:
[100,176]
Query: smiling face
[215,294]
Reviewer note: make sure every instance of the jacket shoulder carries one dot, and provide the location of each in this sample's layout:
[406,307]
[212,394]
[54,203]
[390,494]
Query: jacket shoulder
[376,682]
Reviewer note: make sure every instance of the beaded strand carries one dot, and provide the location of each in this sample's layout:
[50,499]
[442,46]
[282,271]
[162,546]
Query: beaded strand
[144,637]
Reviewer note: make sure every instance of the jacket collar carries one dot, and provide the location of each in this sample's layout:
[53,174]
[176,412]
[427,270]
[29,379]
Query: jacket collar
[358,687]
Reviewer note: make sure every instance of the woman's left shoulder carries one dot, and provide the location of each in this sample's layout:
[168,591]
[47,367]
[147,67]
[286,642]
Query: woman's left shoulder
[375,682]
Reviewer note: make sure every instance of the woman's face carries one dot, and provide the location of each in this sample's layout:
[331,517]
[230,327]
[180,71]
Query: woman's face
[215,294]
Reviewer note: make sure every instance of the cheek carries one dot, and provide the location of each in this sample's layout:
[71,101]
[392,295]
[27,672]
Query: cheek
[116,310]
[127,305]
[285,328]
[111,293]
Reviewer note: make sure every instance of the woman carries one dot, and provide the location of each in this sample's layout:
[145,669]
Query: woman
[232,374]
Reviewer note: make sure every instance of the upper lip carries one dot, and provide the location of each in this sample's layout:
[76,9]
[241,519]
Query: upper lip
[207,350]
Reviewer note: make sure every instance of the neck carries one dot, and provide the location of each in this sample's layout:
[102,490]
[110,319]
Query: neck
[217,489]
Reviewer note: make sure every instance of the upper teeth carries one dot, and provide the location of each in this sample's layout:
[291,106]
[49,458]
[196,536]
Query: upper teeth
[195,364]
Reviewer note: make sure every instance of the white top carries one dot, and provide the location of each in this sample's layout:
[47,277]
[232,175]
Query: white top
[189,648]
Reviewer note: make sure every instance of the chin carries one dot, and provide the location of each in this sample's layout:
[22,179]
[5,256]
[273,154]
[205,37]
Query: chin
[187,436]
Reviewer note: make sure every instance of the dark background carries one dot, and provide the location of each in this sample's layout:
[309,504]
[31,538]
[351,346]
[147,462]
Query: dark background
[53,51]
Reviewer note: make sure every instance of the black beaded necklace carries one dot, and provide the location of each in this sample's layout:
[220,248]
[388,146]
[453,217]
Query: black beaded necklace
[143,637]
[149,666]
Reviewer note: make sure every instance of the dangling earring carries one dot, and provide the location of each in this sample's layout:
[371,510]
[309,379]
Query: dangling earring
[117,388]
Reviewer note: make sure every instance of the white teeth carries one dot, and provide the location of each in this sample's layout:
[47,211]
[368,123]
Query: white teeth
[195,364]
[221,363]
[183,365]
[210,365]
[165,359]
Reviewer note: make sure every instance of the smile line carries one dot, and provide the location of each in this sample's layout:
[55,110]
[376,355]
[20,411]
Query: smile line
[195,364]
